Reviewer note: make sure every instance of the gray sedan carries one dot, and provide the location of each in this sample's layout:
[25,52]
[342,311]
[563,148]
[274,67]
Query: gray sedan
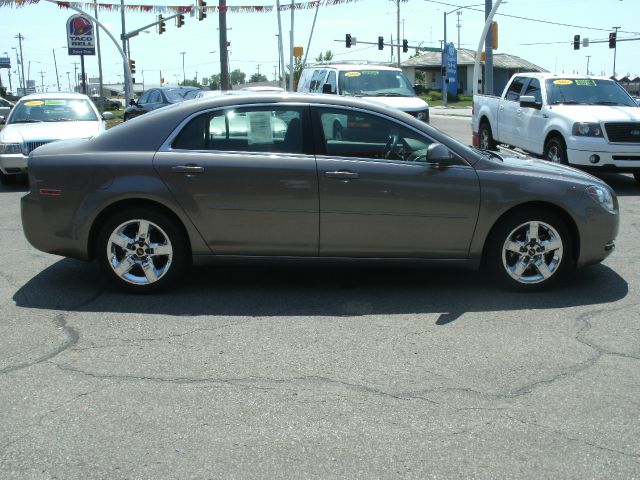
[260,177]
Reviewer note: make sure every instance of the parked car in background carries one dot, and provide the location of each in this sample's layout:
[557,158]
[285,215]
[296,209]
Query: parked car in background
[587,122]
[106,103]
[246,177]
[155,98]
[5,107]
[44,118]
[386,85]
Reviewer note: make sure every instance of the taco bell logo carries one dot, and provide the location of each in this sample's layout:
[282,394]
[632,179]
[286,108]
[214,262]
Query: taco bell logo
[80,36]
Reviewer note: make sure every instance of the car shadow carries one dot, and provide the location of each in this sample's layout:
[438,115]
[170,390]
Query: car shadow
[623,185]
[313,291]
[15,187]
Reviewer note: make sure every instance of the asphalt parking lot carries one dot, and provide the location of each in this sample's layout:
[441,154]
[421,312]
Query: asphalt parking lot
[260,372]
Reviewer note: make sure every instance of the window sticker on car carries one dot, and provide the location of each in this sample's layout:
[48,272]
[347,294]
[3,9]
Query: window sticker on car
[586,82]
[562,82]
[33,103]
[370,72]
[352,74]
[260,128]
[55,102]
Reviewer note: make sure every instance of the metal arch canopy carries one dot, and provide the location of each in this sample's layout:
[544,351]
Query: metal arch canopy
[487,25]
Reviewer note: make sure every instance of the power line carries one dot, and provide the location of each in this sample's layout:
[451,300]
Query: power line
[548,22]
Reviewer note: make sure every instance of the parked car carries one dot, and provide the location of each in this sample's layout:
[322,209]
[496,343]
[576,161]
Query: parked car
[5,107]
[106,103]
[587,122]
[157,98]
[386,85]
[43,118]
[191,182]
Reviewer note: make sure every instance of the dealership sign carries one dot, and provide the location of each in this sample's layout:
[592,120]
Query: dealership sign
[80,36]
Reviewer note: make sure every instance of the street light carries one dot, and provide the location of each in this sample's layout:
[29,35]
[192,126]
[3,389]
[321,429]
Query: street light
[445,100]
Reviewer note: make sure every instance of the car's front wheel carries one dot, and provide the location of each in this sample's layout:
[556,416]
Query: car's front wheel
[529,250]
[556,151]
[142,250]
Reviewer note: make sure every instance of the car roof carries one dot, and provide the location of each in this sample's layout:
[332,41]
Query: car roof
[353,66]
[548,75]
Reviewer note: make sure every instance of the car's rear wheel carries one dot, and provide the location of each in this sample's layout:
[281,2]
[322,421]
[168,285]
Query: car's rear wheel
[529,250]
[142,250]
[556,151]
[486,137]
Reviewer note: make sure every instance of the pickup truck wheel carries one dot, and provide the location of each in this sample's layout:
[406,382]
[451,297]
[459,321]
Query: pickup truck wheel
[486,137]
[555,151]
[529,250]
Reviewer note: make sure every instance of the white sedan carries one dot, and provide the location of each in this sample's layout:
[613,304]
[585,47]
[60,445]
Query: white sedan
[43,118]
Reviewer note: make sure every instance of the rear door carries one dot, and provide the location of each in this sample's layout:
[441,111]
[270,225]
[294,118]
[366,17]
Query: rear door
[508,113]
[531,121]
[381,197]
[247,178]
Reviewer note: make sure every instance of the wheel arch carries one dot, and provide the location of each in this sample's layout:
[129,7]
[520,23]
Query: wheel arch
[121,205]
[553,134]
[548,206]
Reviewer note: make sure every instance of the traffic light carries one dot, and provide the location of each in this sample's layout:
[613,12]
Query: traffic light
[347,40]
[380,43]
[132,66]
[494,35]
[612,40]
[576,42]
[202,14]
[180,20]
[405,46]
[161,25]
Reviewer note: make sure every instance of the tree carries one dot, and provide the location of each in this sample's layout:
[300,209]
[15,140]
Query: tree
[420,75]
[297,71]
[213,82]
[237,77]
[191,83]
[257,77]
[326,57]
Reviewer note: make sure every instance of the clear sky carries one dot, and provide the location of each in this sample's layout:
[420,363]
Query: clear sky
[254,42]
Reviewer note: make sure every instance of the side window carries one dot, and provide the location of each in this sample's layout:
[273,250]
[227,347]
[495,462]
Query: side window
[144,98]
[316,80]
[513,93]
[155,97]
[361,135]
[259,129]
[534,89]
[331,80]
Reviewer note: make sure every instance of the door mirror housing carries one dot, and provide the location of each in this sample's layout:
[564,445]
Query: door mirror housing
[327,88]
[438,153]
[529,101]
[107,116]
[419,89]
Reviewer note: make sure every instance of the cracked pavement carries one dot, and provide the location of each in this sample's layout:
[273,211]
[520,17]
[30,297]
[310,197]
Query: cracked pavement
[259,372]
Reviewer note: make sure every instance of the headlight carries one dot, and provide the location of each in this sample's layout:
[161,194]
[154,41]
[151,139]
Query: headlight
[584,129]
[423,116]
[10,148]
[602,196]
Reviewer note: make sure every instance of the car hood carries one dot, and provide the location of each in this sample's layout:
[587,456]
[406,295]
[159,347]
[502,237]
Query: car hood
[544,169]
[598,113]
[406,104]
[26,132]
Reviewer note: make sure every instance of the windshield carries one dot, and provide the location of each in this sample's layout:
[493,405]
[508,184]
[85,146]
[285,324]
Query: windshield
[53,110]
[587,91]
[181,94]
[375,83]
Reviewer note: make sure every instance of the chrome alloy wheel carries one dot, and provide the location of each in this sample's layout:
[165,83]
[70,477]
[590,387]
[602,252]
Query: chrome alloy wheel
[484,139]
[532,252]
[553,155]
[139,252]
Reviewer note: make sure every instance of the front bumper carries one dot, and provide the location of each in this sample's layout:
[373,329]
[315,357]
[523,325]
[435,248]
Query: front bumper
[623,158]
[13,163]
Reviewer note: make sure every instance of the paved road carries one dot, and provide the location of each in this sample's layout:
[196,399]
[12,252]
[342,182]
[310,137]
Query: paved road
[318,372]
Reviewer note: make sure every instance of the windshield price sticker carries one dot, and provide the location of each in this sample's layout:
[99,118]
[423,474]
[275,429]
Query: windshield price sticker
[352,74]
[370,72]
[586,82]
[562,82]
[55,102]
[33,103]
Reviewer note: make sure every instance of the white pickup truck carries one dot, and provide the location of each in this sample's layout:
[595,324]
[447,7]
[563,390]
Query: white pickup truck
[587,122]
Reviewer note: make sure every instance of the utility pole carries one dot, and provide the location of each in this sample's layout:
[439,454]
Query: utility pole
[100,80]
[225,84]
[69,79]
[41,81]
[56,65]
[488,48]
[75,74]
[459,12]
[615,51]
[588,57]
[291,66]
[398,29]
[280,47]
[275,73]
[20,37]
[125,66]
[184,78]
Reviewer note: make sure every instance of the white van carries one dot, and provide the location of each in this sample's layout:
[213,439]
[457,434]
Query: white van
[385,85]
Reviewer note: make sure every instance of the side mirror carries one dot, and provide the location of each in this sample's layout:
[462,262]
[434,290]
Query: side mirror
[419,89]
[107,116]
[438,153]
[529,101]
[327,88]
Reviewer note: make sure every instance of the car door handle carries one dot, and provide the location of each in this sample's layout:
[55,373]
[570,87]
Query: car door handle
[187,169]
[341,174]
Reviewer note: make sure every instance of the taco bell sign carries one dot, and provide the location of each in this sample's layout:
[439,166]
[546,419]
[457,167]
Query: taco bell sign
[80,36]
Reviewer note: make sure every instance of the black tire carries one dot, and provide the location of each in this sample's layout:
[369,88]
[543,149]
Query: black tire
[485,137]
[8,179]
[125,118]
[555,151]
[516,263]
[151,266]
[637,177]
